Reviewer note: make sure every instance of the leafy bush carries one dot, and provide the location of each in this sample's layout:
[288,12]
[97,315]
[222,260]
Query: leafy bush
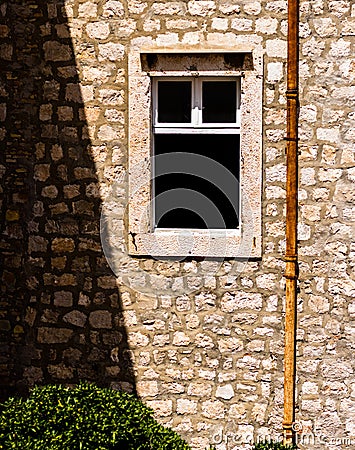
[85,417]
[273,446]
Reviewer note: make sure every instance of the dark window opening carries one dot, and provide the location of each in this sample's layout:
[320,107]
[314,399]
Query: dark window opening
[198,200]
[181,218]
[219,100]
[174,101]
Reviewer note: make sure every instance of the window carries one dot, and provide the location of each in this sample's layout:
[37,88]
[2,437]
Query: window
[195,140]
[196,119]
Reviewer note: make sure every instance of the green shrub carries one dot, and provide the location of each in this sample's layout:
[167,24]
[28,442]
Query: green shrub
[85,417]
[273,446]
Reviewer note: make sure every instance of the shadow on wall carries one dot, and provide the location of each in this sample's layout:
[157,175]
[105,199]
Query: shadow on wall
[61,319]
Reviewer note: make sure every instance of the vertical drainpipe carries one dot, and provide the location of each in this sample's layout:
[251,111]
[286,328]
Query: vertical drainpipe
[291,272]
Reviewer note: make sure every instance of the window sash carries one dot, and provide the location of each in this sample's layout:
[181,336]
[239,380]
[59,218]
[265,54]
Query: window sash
[196,105]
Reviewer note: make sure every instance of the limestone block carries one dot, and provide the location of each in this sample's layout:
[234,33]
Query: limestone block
[230,345]
[55,51]
[169,8]
[61,371]
[252,8]
[213,409]
[219,23]
[76,318]
[258,412]
[339,7]
[34,375]
[199,389]
[181,339]
[45,112]
[154,25]
[274,72]
[183,303]
[137,6]
[98,30]
[311,212]
[87,9]
[63,298]
[111,97]
[113,8]
[205,301]
[83,172]
[266,25]
[53,335]
[100,319]
[108,133]
[304,231]
[311,406]
[256,345]
[204,341]
[229,7]
[318,304]
[308,176]
[147,388]
[226,392]
[336,370]
[192,38]
[330,175]
[276,173]
[65,113]
[162,408]
[56,152]
[313,48]
[201,7]
[71,191]
[61,245]
[325,26]
[241,300]
[111,51]
[37,244]
[340,48]
[240,24]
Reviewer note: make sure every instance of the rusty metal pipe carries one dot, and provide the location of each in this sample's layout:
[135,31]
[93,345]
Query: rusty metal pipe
[291,272]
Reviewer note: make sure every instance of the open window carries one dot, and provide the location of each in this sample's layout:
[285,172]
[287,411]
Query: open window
[198,117]
[194,154]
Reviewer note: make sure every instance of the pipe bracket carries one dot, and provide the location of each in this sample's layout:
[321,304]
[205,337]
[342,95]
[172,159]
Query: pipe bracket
[292,94]
[291,258]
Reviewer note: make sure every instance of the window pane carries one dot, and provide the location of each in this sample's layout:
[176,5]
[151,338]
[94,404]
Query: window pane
[219,99]
[181,218]
[174,101]
[192,191]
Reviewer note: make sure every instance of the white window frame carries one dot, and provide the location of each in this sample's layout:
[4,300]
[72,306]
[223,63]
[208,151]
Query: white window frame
[196,125]
[142,238]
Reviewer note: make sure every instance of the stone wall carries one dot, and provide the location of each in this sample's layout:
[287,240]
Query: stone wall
[205,341]
[61,312]
[326,322]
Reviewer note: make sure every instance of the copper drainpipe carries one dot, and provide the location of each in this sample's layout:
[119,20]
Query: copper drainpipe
[291,272]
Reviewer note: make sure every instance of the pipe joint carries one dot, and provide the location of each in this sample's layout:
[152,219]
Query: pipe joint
[290,276]
[292,94]
[291,272]
[291,258]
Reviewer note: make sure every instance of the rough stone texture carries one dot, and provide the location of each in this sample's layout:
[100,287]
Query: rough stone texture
[205,341]
[54,278]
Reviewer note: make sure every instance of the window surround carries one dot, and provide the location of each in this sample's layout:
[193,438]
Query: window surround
[144,65]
